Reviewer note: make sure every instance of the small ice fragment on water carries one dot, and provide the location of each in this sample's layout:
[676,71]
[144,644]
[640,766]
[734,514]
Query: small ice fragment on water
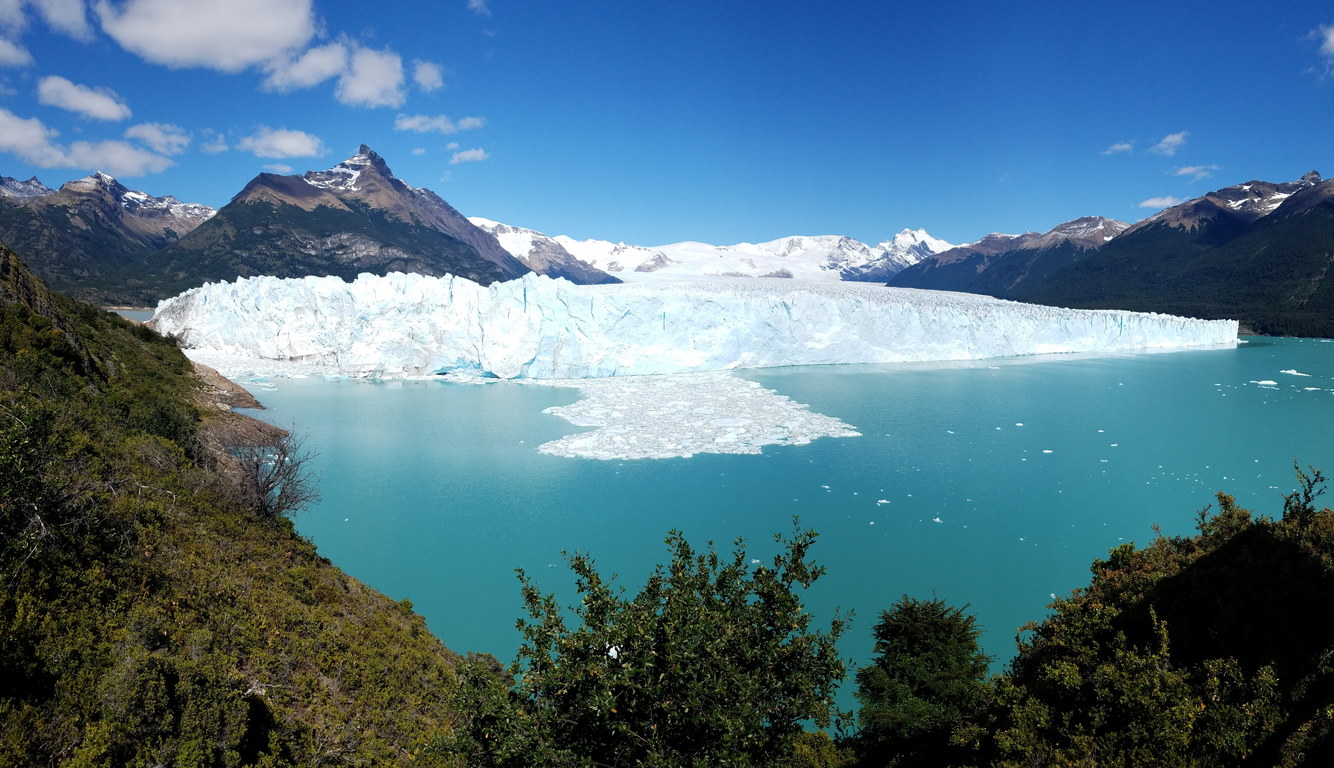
[1019,423]
[754,560]
[1046,450]
[1292,372]
[878,502]
[936,520]
[872,522]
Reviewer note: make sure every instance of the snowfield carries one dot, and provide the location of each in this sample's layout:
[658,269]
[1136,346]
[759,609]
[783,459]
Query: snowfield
[539,328]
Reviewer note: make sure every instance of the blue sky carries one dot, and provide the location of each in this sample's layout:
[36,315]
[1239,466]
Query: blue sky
[659,122]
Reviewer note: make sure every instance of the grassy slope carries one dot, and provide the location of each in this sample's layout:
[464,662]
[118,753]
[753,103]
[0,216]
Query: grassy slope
[146,617]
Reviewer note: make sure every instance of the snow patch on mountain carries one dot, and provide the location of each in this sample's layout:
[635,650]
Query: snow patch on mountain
[23,190]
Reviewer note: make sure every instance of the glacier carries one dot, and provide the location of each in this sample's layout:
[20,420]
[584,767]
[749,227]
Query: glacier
[539,328]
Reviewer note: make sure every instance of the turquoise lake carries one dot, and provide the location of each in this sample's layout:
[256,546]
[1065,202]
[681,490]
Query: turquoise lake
[993,483]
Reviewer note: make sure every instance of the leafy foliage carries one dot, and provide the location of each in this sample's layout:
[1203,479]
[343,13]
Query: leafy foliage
[1212,650]
[713,662]
[925,695]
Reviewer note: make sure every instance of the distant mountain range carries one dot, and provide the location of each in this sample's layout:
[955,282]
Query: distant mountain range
[1258,252]
[820,257]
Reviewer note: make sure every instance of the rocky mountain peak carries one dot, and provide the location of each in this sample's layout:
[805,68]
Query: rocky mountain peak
[10,187]
[348,175]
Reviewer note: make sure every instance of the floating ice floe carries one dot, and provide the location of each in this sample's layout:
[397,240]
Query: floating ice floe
[653,417]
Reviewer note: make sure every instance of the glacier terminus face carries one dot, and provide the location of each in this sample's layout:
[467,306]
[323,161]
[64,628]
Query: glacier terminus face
[539,328]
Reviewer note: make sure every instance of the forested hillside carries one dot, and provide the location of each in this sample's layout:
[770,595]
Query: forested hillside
[152,611]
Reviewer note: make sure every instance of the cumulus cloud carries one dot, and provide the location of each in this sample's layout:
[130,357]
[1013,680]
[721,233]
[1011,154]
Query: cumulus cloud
[1325,35]
[30,140]
[66,16]
[281,143]
[373,79]
[227,35]
[163,138]
[1196,172]
[436,124]
[214,142]
[310,68]
[1166,201]
[479,7]
[36,144]
[118,158]
[1170,144]
[96,103]
[13,55]
[1119,148]
[469,156]
[428,75]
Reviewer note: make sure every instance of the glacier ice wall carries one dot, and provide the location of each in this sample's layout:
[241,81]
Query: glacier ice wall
[536,327]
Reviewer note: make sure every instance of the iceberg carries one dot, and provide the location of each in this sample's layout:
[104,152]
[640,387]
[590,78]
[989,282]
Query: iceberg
[539,328]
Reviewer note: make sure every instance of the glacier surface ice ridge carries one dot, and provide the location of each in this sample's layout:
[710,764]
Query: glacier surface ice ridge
[539,328]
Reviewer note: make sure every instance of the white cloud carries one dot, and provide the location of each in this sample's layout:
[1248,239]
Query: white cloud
[469,156]
[373,79]
[13,55]
[227,35]
[163,138]
[310,68]
[436,124]
[428,75]
[281,168]
[479,7]
[12,19]
[418,151]
[1161,202]
[282,143]
[34,143]
[28,138]
[1196,172]
[1325,34]
[451,146]
[97,103]
[214,142]
[66,16]
[118,158]
[1170,144]
[1119,148]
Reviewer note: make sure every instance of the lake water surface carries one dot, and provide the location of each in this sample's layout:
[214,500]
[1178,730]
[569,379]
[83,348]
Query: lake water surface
[992,483]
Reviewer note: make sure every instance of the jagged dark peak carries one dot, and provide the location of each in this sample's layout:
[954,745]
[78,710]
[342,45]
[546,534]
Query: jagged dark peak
[24,190]
[348,175]
[1317,192]
[1240,202]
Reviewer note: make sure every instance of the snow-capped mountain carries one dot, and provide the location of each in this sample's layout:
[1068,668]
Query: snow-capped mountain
[79,237]
[819,257]
[1244,203]
[542,254]
[13,188]
[1002,264]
